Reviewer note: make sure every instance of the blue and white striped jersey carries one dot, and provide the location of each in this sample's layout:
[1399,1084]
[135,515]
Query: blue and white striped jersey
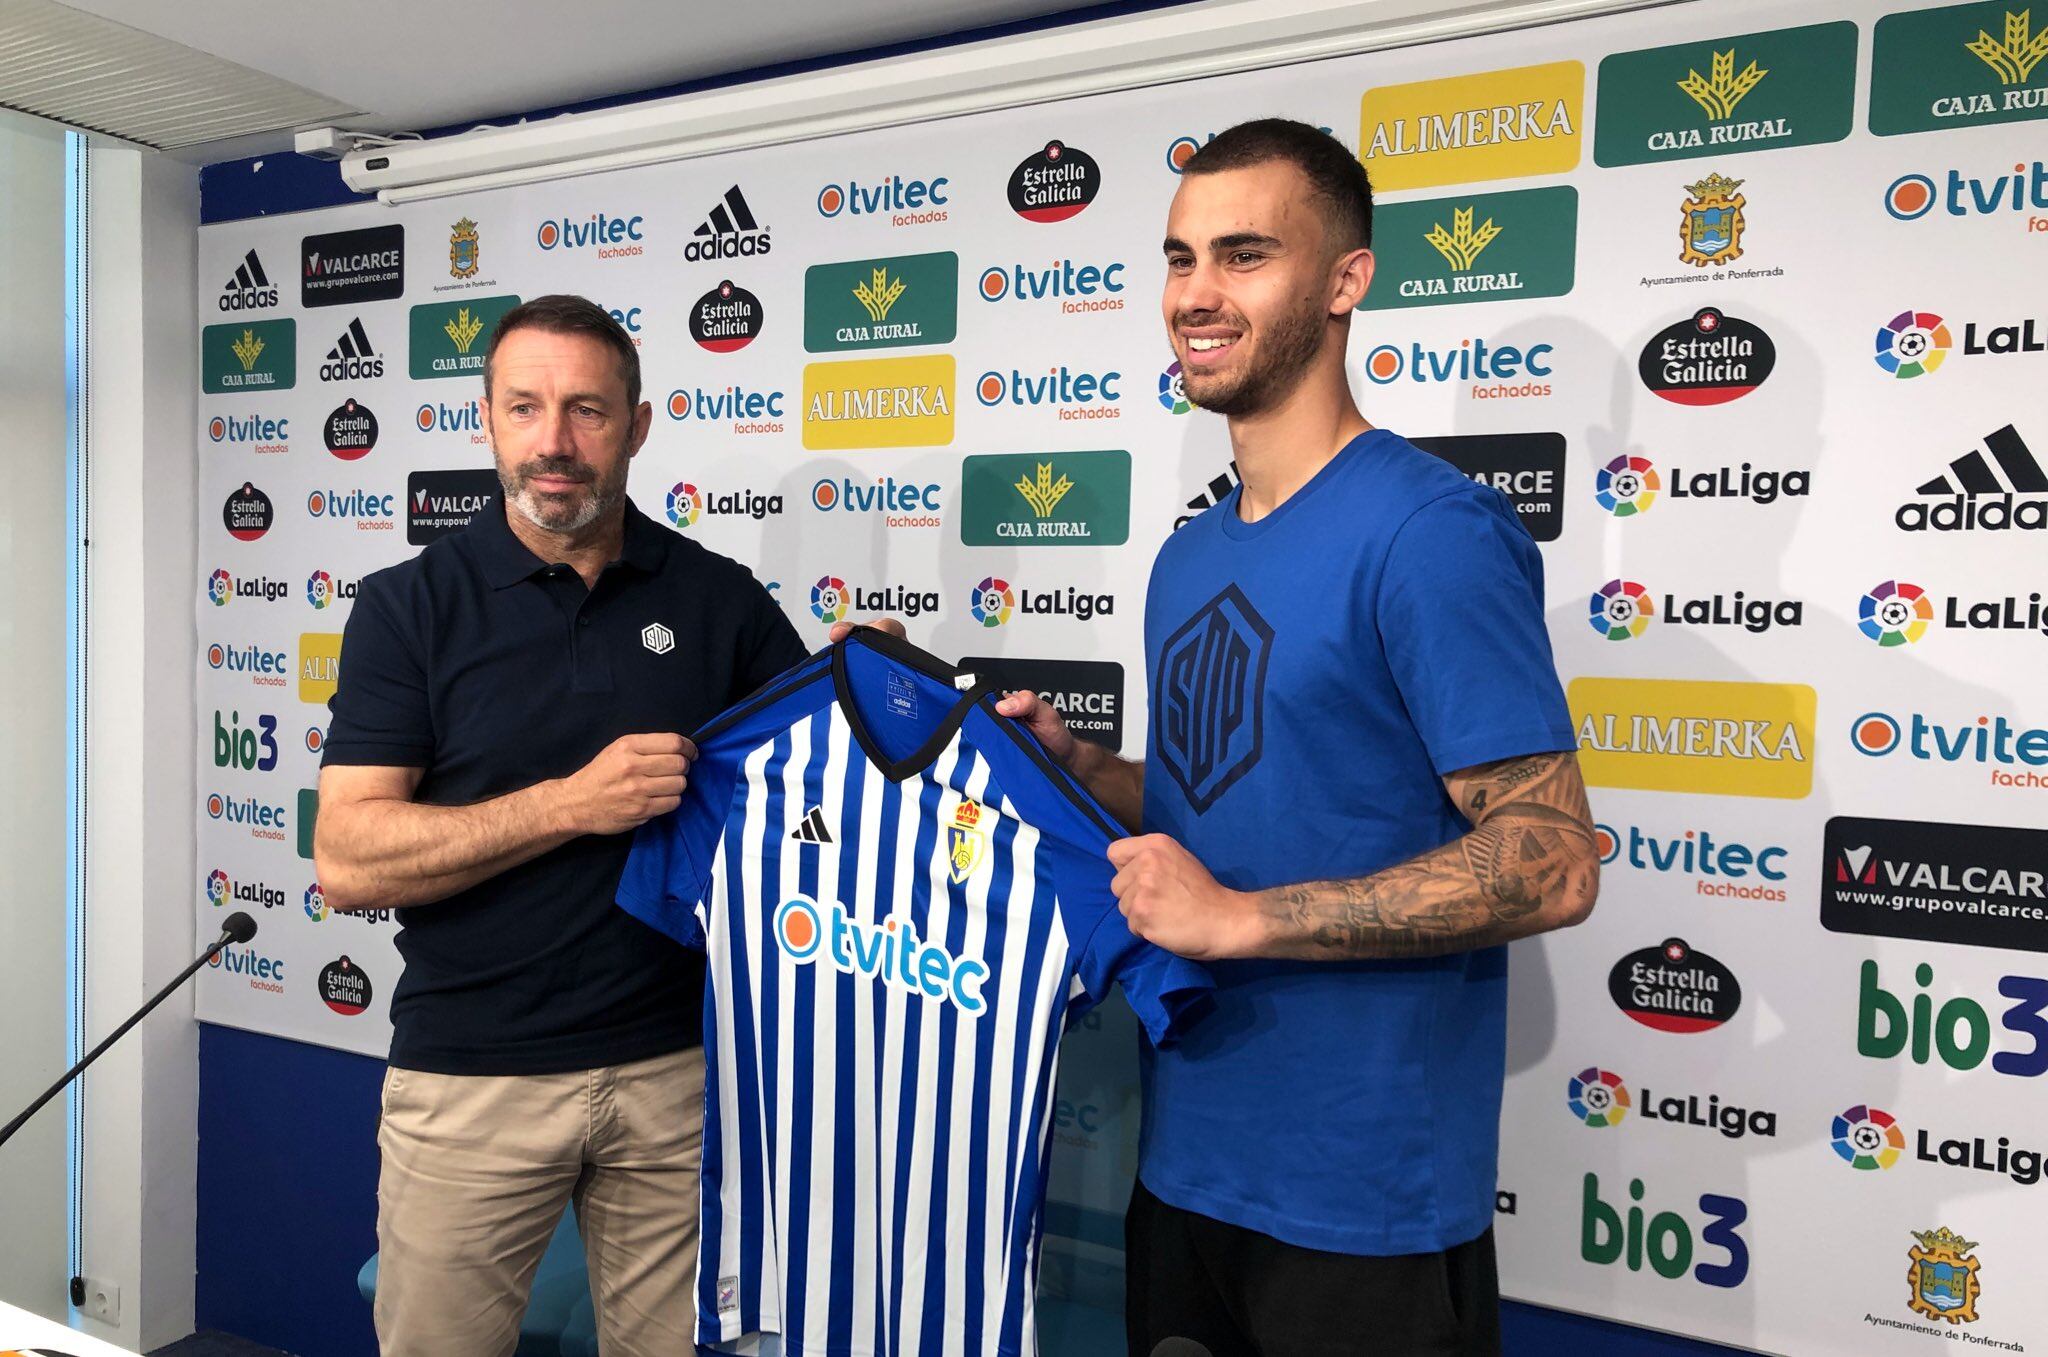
[902,901]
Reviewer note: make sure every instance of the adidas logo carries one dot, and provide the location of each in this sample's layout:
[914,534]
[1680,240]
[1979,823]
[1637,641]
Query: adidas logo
[250,288]
[1976,496]
[730,232]
[812,829]
[1211,496]
[352,358]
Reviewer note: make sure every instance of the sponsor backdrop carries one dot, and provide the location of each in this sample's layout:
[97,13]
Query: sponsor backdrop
[1730,300]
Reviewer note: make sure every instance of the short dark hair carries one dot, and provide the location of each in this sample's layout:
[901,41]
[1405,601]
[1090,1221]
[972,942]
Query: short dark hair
[1334,174]
[563,313]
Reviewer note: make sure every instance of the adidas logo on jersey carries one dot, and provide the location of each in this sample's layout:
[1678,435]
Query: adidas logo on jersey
[729,232]
[353,357]
[250,289]
[1975,495]
[812,828]
[1211,496]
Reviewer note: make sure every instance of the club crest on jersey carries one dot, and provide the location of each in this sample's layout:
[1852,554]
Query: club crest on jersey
[967,838]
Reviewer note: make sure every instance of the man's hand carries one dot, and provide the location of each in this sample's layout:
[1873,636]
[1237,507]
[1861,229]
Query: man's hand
[634,779]
[1171,901]
[888,624]
[1041,720]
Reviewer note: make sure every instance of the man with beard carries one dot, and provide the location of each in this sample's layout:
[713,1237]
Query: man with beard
[512,709]
[1358,787]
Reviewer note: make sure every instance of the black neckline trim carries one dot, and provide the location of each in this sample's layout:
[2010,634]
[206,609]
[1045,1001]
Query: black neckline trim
[910,657]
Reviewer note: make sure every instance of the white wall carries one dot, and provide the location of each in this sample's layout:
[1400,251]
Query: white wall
[139,1220]
[33,1270]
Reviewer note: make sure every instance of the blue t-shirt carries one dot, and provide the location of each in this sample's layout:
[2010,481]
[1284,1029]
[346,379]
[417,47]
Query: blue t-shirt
[1312,677]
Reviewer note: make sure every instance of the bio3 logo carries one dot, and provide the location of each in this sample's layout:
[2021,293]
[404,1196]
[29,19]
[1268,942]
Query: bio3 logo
[1958,1030]
[1666,1240]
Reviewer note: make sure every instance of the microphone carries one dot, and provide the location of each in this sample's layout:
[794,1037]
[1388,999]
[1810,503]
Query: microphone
[1180,1347]
[237,927]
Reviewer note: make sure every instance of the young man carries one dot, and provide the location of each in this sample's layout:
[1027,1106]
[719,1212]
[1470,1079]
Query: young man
[511,711]
[1358,786]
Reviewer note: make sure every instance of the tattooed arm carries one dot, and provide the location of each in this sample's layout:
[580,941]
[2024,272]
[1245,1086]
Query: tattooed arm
[1528,865]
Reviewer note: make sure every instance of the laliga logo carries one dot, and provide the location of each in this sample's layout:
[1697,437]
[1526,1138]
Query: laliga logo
[886,953]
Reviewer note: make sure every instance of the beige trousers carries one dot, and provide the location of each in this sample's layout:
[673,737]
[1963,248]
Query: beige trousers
[477,1171]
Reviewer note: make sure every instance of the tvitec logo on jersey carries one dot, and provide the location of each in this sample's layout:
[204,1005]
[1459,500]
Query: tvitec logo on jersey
[884,953]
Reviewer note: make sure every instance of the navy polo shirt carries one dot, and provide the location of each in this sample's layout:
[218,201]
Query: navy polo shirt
[493,670]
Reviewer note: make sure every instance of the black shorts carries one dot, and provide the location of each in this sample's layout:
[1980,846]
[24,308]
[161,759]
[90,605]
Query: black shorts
[1240,1293]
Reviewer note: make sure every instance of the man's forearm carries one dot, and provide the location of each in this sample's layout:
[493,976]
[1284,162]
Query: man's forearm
[1119,784]
[392,853]
[1525,870]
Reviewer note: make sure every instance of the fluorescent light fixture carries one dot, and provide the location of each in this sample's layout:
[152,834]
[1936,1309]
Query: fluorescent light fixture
[1128,52]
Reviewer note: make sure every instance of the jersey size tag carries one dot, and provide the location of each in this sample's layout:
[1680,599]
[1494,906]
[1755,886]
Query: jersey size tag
[728,1294]
[901,697]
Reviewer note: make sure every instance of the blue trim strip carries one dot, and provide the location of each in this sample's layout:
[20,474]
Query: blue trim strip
[234,190]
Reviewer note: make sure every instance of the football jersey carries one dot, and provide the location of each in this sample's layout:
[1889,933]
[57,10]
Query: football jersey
[902,901]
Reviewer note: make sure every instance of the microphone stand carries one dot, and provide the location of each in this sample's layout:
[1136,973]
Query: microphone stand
[237,927]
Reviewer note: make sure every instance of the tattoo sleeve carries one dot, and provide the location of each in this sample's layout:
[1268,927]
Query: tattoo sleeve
[1528,865]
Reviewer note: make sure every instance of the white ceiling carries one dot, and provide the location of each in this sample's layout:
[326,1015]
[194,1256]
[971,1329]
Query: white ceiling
[411,64]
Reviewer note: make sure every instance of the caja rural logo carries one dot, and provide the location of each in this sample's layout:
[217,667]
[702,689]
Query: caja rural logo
[1951,66]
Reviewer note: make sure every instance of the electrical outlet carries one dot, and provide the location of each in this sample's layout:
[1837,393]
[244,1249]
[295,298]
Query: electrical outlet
[102,1301]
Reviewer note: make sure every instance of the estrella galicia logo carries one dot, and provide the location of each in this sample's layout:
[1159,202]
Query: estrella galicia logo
[1209,719]
[1709,359]
[247,514]
[343,986]
[1054,184]
[350,432]
[1673,988]
[726,318]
